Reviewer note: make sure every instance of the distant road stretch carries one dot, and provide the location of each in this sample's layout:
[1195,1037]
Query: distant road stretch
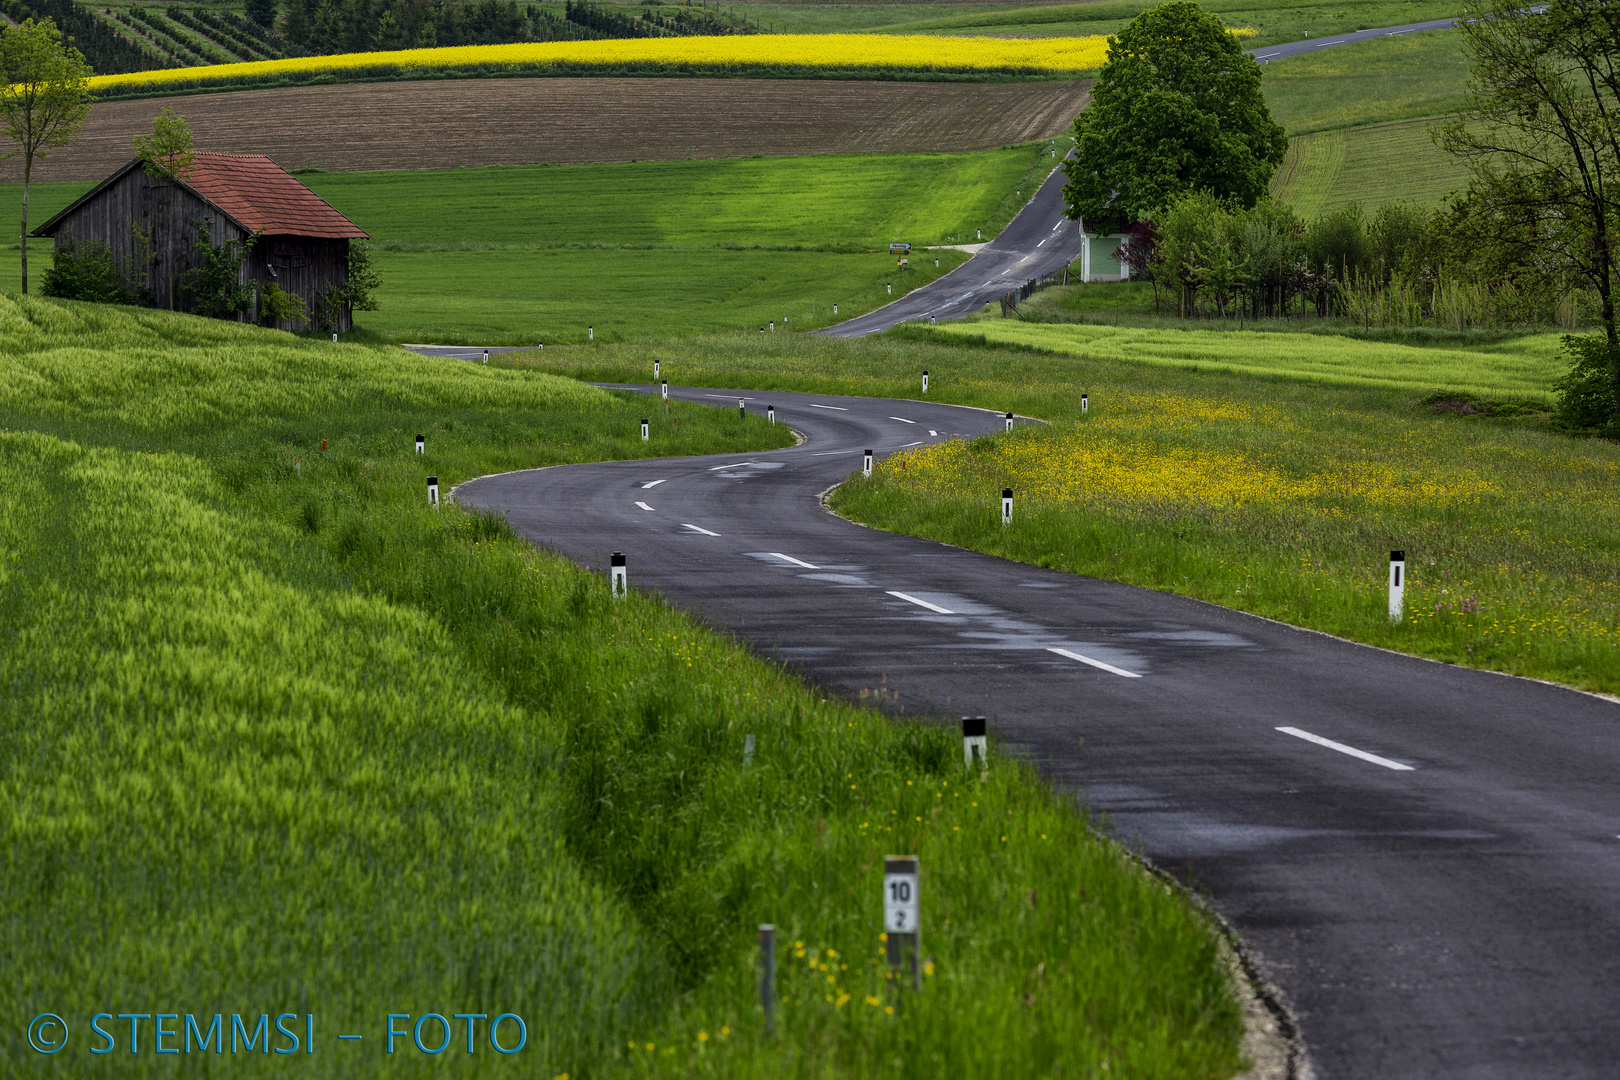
[1040,240]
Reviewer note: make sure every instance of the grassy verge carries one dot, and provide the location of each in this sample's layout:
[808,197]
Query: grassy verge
[1266,493]
[281,739]
[1523,367]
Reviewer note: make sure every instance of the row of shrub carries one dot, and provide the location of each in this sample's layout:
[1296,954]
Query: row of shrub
[1399,266]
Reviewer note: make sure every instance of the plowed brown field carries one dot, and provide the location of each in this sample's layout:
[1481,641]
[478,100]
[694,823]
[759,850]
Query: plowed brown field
[425,125]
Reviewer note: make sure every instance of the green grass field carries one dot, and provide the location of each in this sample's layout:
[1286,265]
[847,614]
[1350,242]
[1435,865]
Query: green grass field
[1278,490]
[520,255]
[1521,367]
[1383,163]
[1359,118]
[279,738]
[1371,82]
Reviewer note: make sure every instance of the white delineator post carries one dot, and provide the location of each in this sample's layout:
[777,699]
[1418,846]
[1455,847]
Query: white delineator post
[890,287]
[664,388]
[590,333]
[644,431]
[421,444]
[1084,404]
[902,922]
[1006,506]
[925,380]
[866,465]
[973,742]
[334,339]
[433,492]
[748,749]
[655,369]
[835,309]
[742,408]
[770,414]
[1397,585]
[1009,421]
[618,575]
[486,356]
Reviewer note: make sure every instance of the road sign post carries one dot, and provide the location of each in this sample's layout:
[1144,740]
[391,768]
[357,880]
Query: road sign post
[902,922]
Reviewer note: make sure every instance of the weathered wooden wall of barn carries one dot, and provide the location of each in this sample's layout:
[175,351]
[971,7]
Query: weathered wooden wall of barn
[305,266]
[147,219]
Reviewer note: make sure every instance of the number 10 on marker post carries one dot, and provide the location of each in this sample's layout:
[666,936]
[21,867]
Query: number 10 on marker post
[901,922]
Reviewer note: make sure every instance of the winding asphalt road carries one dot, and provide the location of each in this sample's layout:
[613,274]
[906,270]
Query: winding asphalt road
[1039,240]
[1425,858]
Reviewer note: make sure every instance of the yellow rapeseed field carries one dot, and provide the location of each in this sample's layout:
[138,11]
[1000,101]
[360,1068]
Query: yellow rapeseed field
[912,52]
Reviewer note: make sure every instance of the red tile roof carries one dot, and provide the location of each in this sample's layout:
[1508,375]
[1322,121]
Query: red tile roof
[265,197]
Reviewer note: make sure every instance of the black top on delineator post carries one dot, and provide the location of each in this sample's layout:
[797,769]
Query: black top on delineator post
[1397,556]
[973,727]
[616,559]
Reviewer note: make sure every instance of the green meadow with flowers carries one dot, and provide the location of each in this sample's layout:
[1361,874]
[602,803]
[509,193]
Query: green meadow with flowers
[1274,481]
[279,738]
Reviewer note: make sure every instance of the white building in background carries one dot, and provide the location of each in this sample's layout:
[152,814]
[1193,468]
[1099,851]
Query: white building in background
[1100,256]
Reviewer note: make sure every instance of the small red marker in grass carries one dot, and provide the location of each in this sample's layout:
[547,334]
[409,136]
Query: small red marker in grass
[323,446]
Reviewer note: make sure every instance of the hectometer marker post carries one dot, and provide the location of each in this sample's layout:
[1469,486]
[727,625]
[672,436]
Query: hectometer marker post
[902,922]
[618,575]
[1397,585]
[973,742]
[767,975]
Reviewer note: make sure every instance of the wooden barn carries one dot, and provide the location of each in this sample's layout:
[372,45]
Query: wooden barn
[303,245]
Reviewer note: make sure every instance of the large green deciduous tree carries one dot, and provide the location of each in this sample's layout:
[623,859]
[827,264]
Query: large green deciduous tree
[1176,108]
[44,98]
[1541,133]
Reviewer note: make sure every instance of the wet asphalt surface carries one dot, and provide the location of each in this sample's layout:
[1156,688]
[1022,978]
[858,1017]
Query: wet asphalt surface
[1458,917]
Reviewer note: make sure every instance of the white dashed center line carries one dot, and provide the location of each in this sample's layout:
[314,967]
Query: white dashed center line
[921,603]
[651,484]
[932,433]
[698,528]
[1094,663]
[902,419]
[795,562]
[733,465]
[644,506]
[835,408]
[1343,749]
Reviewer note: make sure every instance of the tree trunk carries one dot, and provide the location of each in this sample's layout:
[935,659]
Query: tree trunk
[28,175]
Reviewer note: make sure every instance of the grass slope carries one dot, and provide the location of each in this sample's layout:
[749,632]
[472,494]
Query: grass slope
[1272,494]
[278,738]
[1383,163]
[1371,82]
